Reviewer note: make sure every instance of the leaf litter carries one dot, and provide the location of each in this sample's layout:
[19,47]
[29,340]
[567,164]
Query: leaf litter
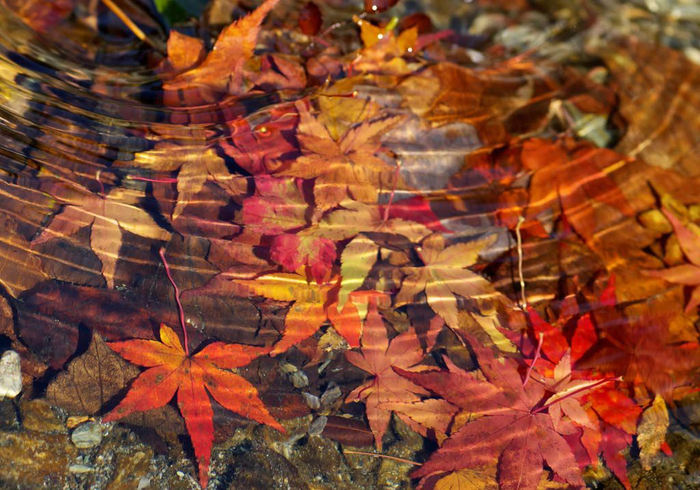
[287,152]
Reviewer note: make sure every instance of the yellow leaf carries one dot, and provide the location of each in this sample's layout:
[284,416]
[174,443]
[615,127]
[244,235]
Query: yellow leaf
[651,432]
[357,259]
[468,480]
[284,287]
[340,113]
[444,275]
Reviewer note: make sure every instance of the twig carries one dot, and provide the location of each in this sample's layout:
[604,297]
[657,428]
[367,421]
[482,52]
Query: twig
[375,455]
[519,237]
[130,24]
[177,299]
[167,180]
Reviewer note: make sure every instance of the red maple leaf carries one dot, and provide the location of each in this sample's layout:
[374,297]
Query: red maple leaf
[388,392]
[686,274]
[277,206]
[294,251]
[611,415]
[513,425]
[172,370]
[642,352]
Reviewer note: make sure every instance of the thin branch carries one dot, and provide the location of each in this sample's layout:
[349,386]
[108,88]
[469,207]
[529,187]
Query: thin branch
[519,237]
[375,455]
[131,25]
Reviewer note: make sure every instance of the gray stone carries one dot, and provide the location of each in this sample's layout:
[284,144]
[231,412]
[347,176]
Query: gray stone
[87,435]
[10,375]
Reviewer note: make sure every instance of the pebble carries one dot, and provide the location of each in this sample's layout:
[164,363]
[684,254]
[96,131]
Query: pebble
[10,375]
[87,435]
[80,468]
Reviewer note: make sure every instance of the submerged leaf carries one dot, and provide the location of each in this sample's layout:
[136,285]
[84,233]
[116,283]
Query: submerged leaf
[193,378]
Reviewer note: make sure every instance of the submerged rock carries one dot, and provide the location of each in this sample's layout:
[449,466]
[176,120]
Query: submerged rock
[87,435]
[34,460]
[10,375]
[39,416]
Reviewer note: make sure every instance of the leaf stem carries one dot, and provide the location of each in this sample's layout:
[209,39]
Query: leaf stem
[574,393]
[375,455]
[534,359]
[177,299]
[393,191]
[131,25]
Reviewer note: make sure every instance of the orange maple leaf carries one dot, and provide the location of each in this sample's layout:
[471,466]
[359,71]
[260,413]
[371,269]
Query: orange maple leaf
[344,168]
[313,304]
[221,72]
[172,370]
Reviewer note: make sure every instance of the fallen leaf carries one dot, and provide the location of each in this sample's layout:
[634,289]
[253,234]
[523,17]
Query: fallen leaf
[347,168]
[444,275]
[310,19]
[466,480]
[259,145]
[349,432]
[312,305]
[106,216]
[388,392]
[510,423]
[641,351]
[183,51]
[687,274]
[196,164]
[447,93]
[91,379]
[384,51]
[171,370]
[651,433]
[221,72]
[20,266]
[294,251]
[357,259]
[355,218]
[277,206]
[655,86]
[573,177]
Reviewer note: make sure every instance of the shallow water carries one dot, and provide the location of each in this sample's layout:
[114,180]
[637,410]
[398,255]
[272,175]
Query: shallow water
[515,153]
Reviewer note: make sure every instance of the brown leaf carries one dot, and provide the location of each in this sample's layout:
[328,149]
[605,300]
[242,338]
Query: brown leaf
[107,216]
[659,100]
[90,380]
[448,93]
[349,432]
[20,267]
